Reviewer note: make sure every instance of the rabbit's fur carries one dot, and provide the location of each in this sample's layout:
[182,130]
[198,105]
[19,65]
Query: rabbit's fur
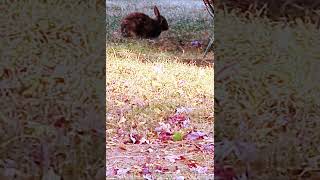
[142,26]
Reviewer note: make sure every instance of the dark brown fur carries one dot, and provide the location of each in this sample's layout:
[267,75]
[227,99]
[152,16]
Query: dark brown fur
[141,25]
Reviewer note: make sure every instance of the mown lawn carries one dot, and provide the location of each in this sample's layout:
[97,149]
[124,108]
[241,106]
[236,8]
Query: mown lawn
[270,70]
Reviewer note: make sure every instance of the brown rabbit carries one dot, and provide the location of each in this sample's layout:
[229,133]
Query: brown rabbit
[142,26]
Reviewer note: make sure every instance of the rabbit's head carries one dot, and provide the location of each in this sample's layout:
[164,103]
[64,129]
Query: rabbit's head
[160,19]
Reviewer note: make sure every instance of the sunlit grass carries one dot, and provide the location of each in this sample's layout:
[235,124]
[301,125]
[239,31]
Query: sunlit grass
[165,83]
[146,90]
[148,80]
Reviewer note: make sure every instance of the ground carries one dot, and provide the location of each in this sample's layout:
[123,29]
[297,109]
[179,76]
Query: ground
[268,68]
[159,91]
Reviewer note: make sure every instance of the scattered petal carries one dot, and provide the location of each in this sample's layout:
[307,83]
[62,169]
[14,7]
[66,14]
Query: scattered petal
[172,158]
[192,164]
[143,140]
[147,177]
[177,118]
[165,136]
[150,150]
[180,178]
[208,148]
[123,171]
[135,138]
[111,172]
[145,170]
[184,110]
[196,135]
[160,169]
[199,169]
[163,128]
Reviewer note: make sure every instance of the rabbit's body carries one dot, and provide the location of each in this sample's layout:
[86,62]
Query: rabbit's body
[141,25]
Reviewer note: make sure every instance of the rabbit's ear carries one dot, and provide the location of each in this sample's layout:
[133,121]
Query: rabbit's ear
[156,11]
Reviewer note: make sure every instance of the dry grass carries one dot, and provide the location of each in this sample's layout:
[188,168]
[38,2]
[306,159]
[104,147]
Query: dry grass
[148,80]
[145,94]
[163,84]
